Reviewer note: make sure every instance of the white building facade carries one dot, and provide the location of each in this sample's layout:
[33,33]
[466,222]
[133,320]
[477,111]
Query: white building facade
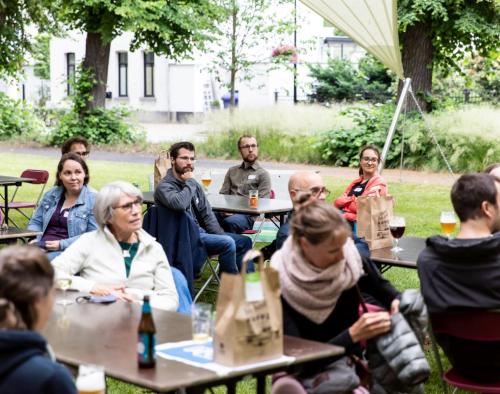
[159,89]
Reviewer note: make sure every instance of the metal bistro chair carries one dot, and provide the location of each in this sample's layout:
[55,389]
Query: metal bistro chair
[40,177]
[477,326]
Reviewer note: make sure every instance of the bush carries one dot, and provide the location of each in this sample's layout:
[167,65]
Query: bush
[99,126]
[18,120]
[341,146]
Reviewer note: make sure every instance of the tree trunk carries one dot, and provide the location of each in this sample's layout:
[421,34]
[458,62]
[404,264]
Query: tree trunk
[418,52]
[97,60]
[233,67]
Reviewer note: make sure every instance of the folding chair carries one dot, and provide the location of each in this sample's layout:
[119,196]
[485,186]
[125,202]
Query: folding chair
[254,234]
[40,177]
[212,283]
[478,326]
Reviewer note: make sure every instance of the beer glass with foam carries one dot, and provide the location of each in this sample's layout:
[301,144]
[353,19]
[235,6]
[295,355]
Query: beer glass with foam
[90,379]
[448,222]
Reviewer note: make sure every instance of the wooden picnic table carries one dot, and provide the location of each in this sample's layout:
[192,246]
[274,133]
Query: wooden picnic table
[12,234]
[107,335]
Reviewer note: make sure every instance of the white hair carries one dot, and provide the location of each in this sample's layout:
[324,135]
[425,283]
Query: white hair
[109,196]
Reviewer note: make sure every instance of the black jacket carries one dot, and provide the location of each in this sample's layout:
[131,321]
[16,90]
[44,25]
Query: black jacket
[25,366]
[187,196]
[463,274]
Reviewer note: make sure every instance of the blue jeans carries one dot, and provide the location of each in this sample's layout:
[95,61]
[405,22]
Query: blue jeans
[236,223]
[230,248]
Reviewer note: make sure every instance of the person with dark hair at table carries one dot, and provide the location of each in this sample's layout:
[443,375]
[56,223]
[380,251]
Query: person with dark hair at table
[240,179]
[464,273]
[27,364]
[369,183]
[78,145]
[65,211]
[493,169]
[179,191]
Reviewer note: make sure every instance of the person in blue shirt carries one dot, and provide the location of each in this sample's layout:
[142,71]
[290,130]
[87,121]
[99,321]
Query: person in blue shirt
[26,299]
[65,211]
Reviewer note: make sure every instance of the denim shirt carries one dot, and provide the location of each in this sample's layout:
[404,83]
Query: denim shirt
[80,217]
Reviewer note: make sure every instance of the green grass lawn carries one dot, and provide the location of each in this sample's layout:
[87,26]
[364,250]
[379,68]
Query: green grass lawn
[420,204]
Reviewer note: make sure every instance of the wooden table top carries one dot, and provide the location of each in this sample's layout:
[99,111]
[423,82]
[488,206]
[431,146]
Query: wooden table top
[238,204]
[407,258]
[106,335]
[14,233]
[13,180]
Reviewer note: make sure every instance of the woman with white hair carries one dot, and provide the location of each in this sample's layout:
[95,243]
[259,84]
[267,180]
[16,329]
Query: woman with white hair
[120,257]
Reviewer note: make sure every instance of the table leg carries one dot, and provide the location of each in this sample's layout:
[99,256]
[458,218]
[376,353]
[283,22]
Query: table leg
[231,387]
[6,205]
[261,384]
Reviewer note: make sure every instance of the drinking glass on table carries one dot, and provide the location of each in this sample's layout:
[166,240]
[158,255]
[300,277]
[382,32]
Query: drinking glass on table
[448,222]
[202,321]
[91,379]
[397,226]
[63,280]
[206,179]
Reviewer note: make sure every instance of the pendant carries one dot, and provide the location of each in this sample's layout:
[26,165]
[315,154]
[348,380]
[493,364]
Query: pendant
[126,253]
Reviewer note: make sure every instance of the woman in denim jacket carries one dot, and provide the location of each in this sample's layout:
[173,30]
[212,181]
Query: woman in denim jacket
[66,210]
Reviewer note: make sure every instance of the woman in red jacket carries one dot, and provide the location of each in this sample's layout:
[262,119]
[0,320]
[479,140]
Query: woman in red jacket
[369,183]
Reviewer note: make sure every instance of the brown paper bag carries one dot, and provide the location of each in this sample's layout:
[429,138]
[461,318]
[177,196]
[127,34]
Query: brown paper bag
[374,214]
[162,164]
[248,332]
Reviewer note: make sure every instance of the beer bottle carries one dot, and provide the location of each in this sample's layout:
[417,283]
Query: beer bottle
[146,337]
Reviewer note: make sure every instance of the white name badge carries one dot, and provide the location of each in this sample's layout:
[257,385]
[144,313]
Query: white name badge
[66,214]
[251,177]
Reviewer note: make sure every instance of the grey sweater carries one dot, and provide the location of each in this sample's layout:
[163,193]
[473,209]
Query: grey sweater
[187,196]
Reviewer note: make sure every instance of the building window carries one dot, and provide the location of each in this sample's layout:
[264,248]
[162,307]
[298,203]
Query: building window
[122,74]
[70,72]
[149,67]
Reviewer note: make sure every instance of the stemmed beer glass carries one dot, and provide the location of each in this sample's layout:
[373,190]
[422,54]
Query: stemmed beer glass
[448,222]
[397,226]
[63,280]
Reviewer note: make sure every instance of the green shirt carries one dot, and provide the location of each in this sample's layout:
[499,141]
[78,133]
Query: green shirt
[129,251]
[244,177]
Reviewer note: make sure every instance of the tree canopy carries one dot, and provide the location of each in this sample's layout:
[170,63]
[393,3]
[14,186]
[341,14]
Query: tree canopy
[18,18]
[442,32]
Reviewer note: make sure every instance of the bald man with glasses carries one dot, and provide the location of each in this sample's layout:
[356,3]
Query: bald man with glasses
[240,179]
[306,182]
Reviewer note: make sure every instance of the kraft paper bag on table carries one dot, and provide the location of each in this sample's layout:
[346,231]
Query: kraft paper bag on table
[162,164]
[374,214]
[249,325]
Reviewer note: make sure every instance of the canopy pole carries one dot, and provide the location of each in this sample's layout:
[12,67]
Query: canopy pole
[392,127]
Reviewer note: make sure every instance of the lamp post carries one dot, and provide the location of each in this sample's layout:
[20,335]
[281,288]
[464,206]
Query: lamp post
[295,46]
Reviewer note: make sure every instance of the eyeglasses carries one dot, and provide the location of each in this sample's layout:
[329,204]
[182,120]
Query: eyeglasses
[128,207]
[316,191]
[369,159]
[187,158]
[248,146]
[82,154]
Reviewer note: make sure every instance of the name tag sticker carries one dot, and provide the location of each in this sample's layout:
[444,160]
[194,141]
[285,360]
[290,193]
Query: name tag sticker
[253,176]
[66,214]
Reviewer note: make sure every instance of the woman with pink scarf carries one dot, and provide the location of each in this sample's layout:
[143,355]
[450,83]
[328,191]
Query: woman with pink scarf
[322,276]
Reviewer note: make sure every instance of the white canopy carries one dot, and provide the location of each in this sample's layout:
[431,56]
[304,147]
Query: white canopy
[371,23]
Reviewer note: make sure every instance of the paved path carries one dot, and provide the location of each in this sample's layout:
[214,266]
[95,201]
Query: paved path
[220,166]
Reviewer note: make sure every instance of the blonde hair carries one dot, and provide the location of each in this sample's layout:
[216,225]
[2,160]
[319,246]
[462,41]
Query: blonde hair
[316,220]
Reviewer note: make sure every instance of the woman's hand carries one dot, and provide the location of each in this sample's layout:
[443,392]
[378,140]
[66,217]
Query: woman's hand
[394,306]
[370,325]
[101,289]
[52,245]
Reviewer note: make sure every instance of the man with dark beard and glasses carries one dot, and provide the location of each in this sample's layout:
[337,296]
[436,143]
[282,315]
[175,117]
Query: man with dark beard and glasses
[179,191]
